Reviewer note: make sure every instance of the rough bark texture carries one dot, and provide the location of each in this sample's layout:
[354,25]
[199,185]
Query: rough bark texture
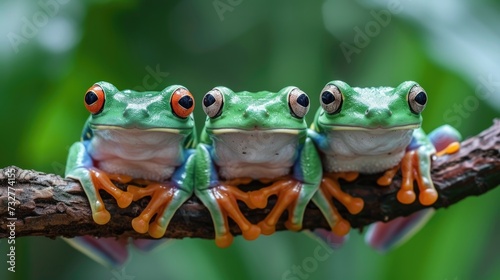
[48,205]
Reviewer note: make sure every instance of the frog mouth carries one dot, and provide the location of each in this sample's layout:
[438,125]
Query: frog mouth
[152,129]
[270,130]
[380,128]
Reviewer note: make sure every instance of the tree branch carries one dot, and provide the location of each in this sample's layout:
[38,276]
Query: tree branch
[48,205]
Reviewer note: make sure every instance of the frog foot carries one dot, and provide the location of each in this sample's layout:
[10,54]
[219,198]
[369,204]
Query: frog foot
[288,193]
[330,185]
[450,149]
[322,199]
[161,197]
[410,170]
[226,196]
[102,181]
[386,179]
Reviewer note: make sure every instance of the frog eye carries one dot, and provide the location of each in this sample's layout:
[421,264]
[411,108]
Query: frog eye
[94,99]
[182,103]
[298,101]
[417,99]
[331,99]
[212,103]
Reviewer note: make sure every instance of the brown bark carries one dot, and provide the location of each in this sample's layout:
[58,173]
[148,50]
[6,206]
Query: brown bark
[48,205]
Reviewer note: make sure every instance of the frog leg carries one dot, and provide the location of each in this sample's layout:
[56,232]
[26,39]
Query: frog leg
[220,199]
[80,167]
[384,236]
[330,188]
[166,198]
[293,194]
[416,164]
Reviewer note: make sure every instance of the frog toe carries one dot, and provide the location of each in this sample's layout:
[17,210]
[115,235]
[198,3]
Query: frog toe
[251,233]
[293,226]
[406,196]
[341,228]
[140,224]
[157,231]
[355,205]
[224,241]
[101,217]
[266,228]
[428,197]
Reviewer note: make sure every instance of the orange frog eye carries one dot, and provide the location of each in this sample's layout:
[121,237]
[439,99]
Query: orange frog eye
[182,103]
[94,99]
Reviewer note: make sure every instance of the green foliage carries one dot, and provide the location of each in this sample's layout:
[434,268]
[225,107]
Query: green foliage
[245,45]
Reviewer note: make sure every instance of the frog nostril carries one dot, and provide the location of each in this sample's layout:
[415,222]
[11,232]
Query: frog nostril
[134,113]
[378,112]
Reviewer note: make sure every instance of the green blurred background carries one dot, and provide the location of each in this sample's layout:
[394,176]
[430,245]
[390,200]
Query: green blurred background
[52,51]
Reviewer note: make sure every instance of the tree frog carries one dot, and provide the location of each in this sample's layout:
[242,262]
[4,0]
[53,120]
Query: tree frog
[136,135]
[372,130]
[255,136]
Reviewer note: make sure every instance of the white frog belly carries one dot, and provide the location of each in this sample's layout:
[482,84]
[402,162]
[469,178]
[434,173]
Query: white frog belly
[150,155]
[255,154]
[365,151]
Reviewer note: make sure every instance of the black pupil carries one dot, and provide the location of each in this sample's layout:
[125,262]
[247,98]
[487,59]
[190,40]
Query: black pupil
[208,100]
[421,98]
[186,101]
[90,98]
[303,100]
[327,97]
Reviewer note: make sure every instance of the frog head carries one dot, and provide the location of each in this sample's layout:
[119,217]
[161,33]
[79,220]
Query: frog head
[377,108]
[168,110]
[277,112]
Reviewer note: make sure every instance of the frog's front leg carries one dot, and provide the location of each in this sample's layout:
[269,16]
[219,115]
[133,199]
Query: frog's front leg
[166,198]
[220,199]
[330,188]
[416,166]
[80,167]
[293,193]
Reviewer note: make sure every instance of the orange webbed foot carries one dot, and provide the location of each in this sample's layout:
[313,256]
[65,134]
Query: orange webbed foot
[288,193]
[331,186]
[410,170]
[102,181]
[161,196]
[226,196]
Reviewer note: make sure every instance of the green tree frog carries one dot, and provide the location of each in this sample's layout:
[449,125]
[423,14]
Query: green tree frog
[145,136]
[255,136]
[372,130]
